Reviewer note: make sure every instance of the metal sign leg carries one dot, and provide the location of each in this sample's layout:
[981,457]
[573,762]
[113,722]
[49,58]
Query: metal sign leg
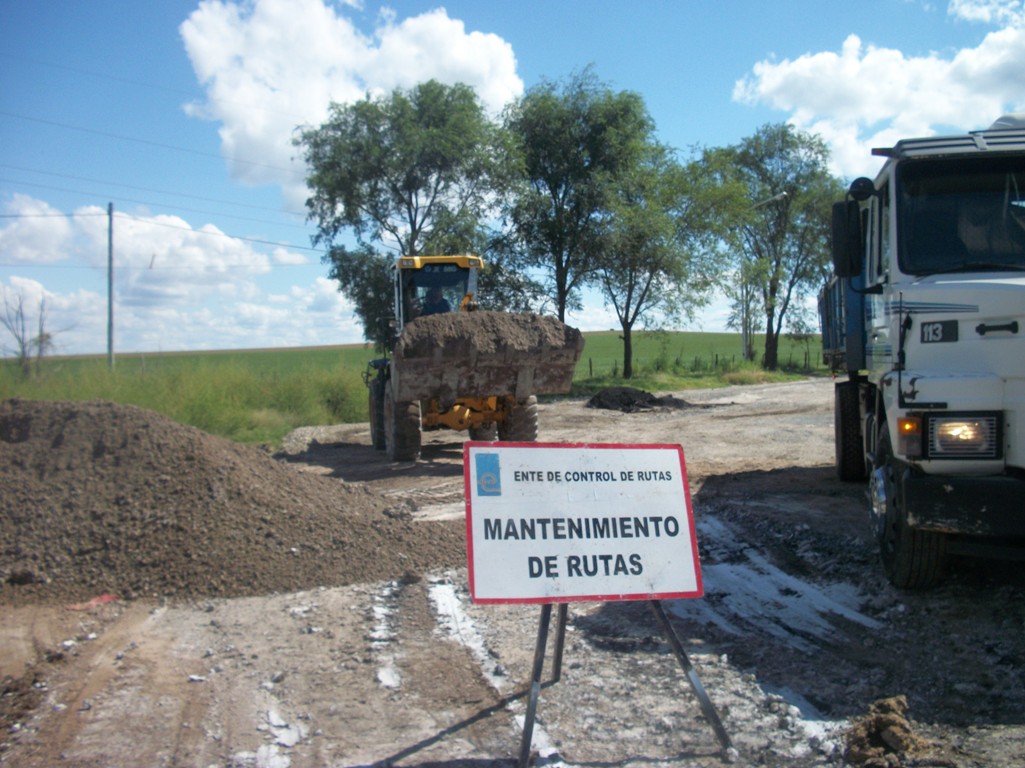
[535,683]
[706,703]
[560,643]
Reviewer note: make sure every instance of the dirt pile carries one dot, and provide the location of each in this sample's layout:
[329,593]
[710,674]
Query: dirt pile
[483,353]
[633,400]
[487,332]
[884,738]
[97,497]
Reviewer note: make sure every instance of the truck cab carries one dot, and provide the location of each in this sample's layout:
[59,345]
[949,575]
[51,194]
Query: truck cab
[926,317]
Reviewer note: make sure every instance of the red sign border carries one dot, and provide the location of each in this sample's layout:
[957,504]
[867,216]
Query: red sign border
[699,588]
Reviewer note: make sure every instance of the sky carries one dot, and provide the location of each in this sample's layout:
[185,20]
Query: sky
[161,133]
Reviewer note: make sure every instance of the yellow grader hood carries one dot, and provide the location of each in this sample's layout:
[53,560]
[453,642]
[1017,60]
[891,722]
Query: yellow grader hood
[484,354]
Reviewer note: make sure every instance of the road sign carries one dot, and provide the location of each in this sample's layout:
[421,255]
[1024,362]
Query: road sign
[553,522]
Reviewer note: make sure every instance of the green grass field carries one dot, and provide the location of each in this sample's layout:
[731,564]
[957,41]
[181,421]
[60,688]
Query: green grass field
[684,360]
[259,396]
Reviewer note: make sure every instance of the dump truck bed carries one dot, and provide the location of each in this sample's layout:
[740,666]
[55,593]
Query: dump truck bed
[483,354]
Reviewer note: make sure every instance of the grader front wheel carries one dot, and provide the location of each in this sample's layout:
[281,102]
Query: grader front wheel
[520,423]
[402,429]
[376,388]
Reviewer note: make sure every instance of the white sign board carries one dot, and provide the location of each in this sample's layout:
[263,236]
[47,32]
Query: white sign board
[550,523]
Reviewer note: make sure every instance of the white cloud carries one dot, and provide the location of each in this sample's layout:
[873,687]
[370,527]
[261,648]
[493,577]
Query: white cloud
[314,314]
[161,259]
[594,316]
[324,297]
[177,286]
[24,291]
[434,46]
[77,320]
[865,96]
[37,233]
[291,258]
[271,65]
[999,12]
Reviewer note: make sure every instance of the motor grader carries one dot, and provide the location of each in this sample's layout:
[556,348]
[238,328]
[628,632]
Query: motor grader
[456,366]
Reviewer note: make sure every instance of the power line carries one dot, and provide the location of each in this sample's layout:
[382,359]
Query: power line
[166,225]
[136,200]
[144,189]
[148,85]
[276,243]
[49,215]
[146,142]
[90,73]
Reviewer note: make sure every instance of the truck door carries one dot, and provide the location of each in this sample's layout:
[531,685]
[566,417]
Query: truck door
[878,269]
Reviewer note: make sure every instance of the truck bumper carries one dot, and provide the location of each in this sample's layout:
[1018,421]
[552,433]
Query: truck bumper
[976,506]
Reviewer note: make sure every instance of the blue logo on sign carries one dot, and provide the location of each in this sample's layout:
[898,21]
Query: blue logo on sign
[489,476]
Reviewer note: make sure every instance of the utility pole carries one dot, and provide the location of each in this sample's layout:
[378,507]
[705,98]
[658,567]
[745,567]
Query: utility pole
[110,286]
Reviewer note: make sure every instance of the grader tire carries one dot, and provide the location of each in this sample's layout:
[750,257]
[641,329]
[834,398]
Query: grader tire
[402,429]
[520,424]
[487,433]
[376,388]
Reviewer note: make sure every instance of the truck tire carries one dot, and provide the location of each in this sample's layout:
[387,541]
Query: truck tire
[401,428]
[912,559]
[376,389]
[850,450]
[520,424]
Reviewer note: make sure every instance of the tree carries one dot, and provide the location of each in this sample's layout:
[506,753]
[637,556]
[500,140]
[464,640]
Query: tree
[411,171]
[364,277]
[654,260]
[782,234]
[402,169]
[503,283]
[29,348]
[573,145]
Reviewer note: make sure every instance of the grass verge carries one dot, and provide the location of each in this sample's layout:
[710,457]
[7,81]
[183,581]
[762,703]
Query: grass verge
[260,396]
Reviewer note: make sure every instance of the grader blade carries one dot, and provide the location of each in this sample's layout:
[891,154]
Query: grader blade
[483,354]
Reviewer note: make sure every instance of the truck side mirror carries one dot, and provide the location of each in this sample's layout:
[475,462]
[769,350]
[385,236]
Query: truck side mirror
[862,189]
[847,246]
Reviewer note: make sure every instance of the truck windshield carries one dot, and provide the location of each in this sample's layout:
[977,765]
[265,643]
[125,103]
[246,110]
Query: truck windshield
[962,215]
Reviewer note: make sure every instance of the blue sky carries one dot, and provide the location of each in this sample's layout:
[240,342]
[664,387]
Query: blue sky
[181,114]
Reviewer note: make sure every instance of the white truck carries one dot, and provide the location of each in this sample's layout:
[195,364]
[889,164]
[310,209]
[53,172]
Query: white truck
[926,316]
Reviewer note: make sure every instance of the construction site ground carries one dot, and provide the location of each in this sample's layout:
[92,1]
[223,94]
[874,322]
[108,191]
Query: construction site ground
[171,599]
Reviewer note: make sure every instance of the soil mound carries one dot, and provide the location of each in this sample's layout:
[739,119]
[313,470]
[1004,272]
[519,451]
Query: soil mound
[97,497]
[632,400]
[486,332]
[484,354]
[884,737]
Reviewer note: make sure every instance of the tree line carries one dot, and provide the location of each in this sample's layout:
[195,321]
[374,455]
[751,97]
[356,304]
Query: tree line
[569,188]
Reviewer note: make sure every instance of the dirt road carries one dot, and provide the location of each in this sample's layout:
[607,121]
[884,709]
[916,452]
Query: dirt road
[798,634]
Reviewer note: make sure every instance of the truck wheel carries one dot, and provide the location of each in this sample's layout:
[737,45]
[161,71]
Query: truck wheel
[912,559]
[520,424]
[402,429]
[376,388]
[850,451]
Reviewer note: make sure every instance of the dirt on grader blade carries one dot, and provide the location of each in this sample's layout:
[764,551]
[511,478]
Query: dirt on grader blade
[469,354]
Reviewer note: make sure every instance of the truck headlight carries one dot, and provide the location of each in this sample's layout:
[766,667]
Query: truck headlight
[964,436]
